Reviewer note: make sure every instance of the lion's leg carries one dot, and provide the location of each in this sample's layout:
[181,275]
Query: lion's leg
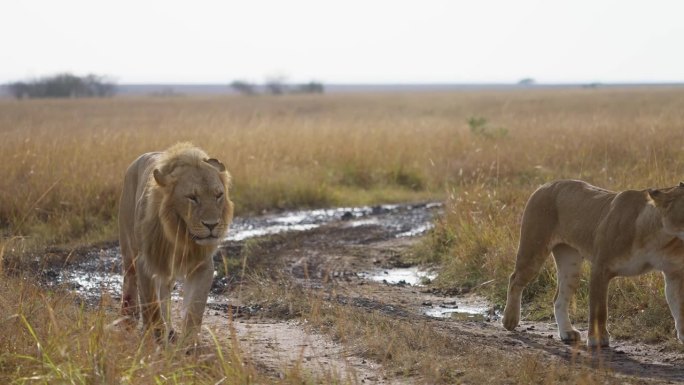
[527,266]
[129,291]
[568,266]
[149,302]
[164,304]
[598,307]
[196,292]
[674,293]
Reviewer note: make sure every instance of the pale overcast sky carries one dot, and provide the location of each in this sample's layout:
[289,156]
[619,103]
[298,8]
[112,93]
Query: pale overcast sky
[351,41]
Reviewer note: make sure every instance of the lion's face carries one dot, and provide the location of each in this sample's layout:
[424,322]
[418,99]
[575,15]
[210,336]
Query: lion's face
[198,196]
[670,204]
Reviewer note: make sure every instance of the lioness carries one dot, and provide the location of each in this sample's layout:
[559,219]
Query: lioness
[174,211]
[622,234]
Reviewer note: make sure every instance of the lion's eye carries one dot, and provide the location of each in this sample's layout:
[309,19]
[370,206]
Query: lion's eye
[193,198]
[219,196]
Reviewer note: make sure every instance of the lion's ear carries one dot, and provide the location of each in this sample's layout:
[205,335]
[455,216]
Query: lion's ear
[681,184]
[162,179]
[216,164]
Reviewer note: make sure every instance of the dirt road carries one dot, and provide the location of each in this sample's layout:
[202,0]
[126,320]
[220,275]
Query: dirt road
[351,257]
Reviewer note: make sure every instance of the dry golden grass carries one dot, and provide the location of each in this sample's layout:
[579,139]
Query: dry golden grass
[62,163]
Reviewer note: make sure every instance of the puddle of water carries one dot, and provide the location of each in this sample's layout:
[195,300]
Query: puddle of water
[401,276]
[93,284]
[251,227]
[418,230]
[363,222]
[468,308]
[441,311]
[399,220]
[247,233]
[471,308]
[99,272]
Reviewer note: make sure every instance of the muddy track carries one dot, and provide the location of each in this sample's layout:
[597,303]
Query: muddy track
[339,256]
[327,256]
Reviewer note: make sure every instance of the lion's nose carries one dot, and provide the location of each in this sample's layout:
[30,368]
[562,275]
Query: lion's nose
[210,225]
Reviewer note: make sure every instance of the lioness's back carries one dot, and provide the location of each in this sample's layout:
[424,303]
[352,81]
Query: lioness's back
[570,207]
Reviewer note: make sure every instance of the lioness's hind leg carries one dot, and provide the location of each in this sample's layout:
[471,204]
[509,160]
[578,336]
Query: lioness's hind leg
[533,250]
[527,266]
[568,267]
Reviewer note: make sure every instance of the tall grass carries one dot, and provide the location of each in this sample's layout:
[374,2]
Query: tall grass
[63,161]
[283,152]
[614,139]
[46,338]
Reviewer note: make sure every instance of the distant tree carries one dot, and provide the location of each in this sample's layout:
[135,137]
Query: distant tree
[63,85]
[19,90]
[276,85]
[526,82]
[311,87]
[243,87]
[99,86]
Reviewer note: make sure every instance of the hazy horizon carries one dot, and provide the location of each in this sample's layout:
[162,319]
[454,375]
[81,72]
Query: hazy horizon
[351,42]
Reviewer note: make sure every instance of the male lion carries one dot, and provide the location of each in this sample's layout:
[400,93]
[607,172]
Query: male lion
[622,234]
[174,211]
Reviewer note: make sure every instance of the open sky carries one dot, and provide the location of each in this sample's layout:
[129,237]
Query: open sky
[350,41]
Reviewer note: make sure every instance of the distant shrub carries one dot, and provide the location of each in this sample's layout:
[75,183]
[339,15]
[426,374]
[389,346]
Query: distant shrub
[526,82]
[63,86]
[276,85]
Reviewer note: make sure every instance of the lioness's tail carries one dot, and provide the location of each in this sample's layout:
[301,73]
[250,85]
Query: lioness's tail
[538,224]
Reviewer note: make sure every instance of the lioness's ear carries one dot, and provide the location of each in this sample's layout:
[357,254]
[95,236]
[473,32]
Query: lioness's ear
[216,164]
[659,198]
[161,179]
[681,184]
[653,193]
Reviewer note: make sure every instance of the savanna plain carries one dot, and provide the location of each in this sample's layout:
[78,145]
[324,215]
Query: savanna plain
[481,153]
